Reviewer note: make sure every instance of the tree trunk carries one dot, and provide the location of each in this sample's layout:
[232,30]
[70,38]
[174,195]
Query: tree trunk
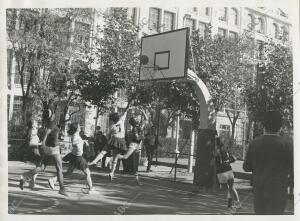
[96,118]
[233,123]
[62,120]
[26,109]
[248,133]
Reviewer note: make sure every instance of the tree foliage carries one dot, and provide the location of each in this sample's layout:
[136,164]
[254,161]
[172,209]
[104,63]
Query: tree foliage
[273,88]
[41,43]
[112,62]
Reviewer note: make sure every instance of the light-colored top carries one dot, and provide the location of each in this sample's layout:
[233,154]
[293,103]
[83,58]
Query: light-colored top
[34,139]
[77,144]
[118,129]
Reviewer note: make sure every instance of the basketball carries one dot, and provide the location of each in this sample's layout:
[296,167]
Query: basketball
[144,59]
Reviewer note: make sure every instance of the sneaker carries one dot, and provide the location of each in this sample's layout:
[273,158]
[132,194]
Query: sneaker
[32,184]
[230,211]
[110,177]
[21,184]
[237,205]
[63,191]
[137,180]
[90,191]
[51,184]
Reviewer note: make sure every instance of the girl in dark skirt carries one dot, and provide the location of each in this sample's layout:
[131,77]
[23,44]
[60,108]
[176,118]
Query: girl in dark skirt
[225,174]
[134,141]
[76,159]
[116,141]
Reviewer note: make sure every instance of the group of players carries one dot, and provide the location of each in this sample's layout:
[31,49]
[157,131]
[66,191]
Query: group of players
[48,149]
[269,157]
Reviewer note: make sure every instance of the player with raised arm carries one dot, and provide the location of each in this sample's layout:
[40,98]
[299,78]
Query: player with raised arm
[116,140]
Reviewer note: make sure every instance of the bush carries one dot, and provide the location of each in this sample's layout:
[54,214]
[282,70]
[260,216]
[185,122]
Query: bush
[19,150]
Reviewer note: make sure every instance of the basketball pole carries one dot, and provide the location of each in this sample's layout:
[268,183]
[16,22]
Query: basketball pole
[193,132]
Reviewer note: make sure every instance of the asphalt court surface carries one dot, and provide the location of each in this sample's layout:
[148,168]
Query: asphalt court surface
[121,197]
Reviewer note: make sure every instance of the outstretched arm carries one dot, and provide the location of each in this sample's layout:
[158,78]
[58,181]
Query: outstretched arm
[145,115]
[125,114]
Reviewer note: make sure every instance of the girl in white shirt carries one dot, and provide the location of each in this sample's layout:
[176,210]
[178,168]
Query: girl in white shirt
[76,159]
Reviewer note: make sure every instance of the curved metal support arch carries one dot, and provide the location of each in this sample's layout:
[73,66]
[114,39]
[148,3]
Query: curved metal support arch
[207,115]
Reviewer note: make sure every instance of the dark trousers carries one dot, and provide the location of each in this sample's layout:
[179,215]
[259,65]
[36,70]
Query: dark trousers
[149,153]
[131,164]
[269,202]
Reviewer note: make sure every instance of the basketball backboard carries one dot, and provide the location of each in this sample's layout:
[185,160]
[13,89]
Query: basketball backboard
[164,55]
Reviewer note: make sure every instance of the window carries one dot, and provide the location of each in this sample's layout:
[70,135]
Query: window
[26,76]
[261,26]
[275,30]
[224,130]
[154,17]
[134,15]
[28,20]
[17,107]
[190,23]
[260,47]
[9,65]
[233,35]
[168,21]
[82,34]
[223,14]
[8,105]
[250,22]
[207,11]
[233,17]
[122,93]
[204,11]
[284,33]
[202,27]
[11,17]
[222,32]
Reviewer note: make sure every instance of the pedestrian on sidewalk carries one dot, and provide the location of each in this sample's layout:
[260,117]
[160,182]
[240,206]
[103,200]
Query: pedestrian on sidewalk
[225,174]
[76,160]
[270,159]
[151,144]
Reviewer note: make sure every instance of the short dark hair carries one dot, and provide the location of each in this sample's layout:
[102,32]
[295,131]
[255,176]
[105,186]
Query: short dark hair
[73,128]
[98,128]
[132,121]
[272,121]
[114,117]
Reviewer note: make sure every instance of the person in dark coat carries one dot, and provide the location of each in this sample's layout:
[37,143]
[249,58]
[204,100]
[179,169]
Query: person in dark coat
[270,159]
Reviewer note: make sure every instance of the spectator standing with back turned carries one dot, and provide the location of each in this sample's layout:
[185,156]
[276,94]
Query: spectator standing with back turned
[270,159]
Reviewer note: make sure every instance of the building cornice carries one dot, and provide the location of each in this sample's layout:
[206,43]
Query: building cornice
[275,17]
